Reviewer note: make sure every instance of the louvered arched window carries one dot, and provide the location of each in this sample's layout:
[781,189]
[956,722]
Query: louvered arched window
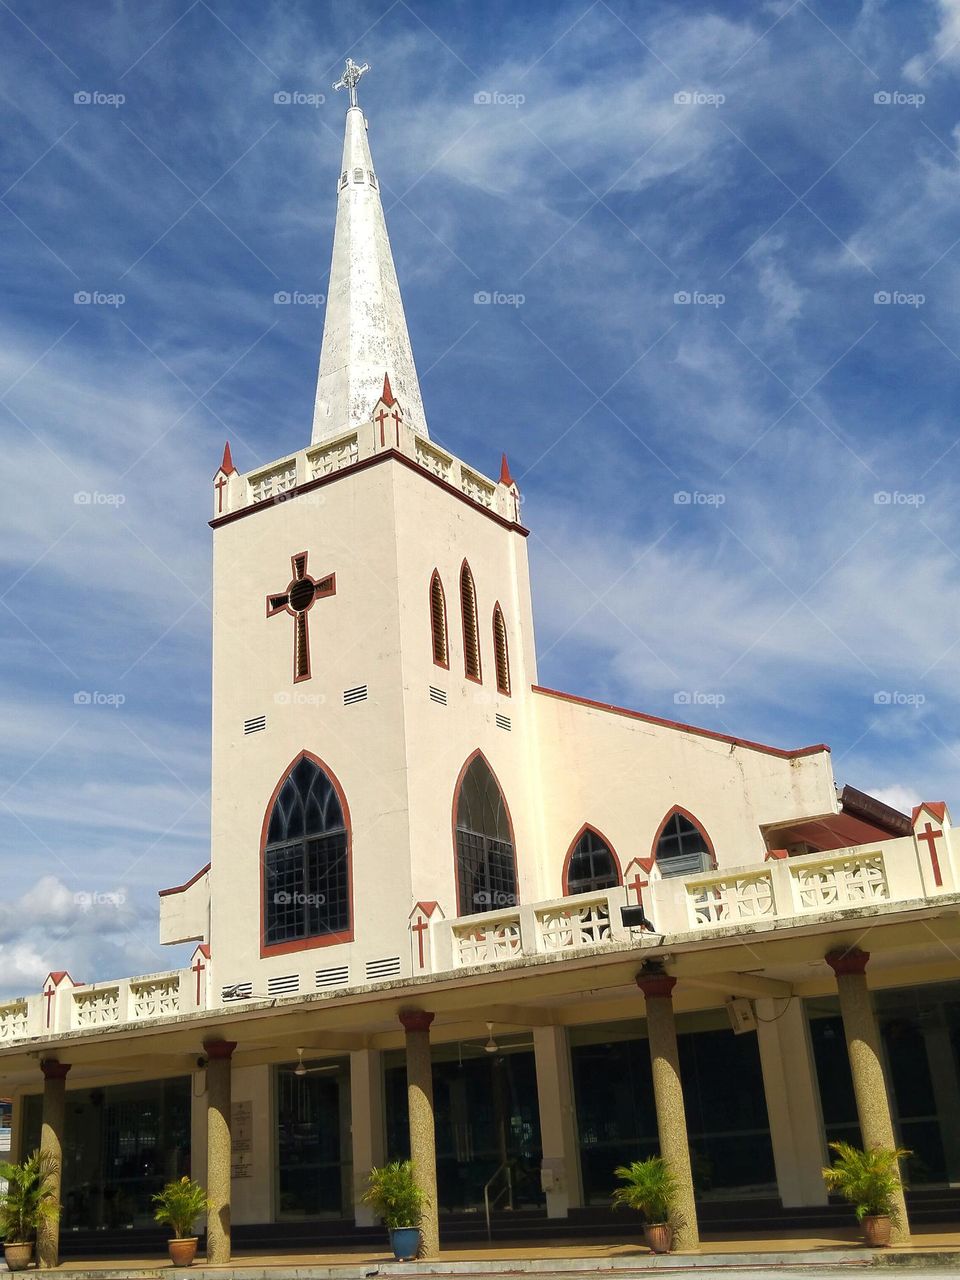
[471,633]
[501,651]
[438,621]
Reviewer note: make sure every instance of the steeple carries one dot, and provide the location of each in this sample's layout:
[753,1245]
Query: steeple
[364,331]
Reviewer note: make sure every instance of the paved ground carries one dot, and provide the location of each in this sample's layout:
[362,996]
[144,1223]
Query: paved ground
[810,1255]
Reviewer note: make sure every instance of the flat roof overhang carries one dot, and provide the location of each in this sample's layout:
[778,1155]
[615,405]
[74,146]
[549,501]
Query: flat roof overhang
[909,942]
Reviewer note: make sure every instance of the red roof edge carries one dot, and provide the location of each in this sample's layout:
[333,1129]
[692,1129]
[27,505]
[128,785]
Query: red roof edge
[505,476]
[179,888]
[203,948]
[387,397]
[684,728]
[58,976]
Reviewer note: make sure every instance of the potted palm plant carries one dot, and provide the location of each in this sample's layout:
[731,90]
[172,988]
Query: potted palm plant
[179,1205]
[28,1199]
[869,1180]
[650,1188]
[399,1202]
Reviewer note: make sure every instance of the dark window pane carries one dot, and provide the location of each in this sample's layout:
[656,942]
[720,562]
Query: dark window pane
[592,866]
[486,874]
[305,863]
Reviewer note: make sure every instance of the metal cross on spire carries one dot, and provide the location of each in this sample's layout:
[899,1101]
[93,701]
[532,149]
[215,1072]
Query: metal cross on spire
[350,78]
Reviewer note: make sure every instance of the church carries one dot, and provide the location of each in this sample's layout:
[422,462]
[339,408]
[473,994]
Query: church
[521,936]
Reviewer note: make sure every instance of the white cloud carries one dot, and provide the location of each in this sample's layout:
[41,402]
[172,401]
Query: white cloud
[944,51]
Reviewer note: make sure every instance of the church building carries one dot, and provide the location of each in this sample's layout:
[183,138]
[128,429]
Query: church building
[520,935]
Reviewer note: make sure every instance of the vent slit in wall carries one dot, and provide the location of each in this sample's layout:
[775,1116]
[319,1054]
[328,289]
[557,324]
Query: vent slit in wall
[335,977]
[289,984]
[359,694]
[386,968]
[255,724]
[503,722]
[438,695]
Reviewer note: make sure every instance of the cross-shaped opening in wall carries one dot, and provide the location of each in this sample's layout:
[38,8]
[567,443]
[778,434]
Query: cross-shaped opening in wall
[301,594]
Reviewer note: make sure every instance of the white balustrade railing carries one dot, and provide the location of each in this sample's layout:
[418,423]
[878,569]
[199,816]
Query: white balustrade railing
[97,1008]
[730,898]
[13,1020]
[834,881]
[334,456]
[155,997]
[434,460]
[269,484]
[581,921]
[477,487]
[486,938]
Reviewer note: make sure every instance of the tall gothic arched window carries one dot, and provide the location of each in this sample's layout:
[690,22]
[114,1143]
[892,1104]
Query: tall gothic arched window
[591,865]
[438,621]
[471,632]
[486,866]
[501,652]
[306,866]
[682,847]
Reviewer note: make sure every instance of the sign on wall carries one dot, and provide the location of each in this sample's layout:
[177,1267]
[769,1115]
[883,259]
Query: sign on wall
[241,1134]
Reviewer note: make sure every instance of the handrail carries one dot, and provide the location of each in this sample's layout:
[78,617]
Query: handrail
[506,1189]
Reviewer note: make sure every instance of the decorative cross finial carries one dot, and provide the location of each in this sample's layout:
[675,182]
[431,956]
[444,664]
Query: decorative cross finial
[350,78]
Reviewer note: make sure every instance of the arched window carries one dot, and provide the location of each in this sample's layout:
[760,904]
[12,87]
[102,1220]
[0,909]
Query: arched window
[471,635]
[591,865]
[500,651]
[438,621]
[682,848]
[306,867]
[486,869]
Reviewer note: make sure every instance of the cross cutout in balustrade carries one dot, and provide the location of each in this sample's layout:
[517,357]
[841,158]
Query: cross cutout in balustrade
[301,594]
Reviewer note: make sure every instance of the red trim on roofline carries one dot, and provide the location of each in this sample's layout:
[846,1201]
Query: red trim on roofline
[180,888]
[685,728]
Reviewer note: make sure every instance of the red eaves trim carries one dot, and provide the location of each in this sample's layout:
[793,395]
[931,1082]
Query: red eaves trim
[179,888]
[684,728]
[290,494]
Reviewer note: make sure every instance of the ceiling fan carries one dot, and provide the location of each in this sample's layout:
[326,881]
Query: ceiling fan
[491,1046]
[301,1069]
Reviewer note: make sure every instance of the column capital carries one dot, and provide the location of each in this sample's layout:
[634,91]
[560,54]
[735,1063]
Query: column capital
[656,983]
[415,1019]
[218,1050]
[847,962]
[54,1070]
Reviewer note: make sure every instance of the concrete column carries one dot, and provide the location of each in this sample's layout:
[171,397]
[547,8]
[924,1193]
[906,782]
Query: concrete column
[657,988]
[793,1101]
[423,1143]
[866,1063]
[558,1122]
[219,1053]
[368,1126]
[51,1144]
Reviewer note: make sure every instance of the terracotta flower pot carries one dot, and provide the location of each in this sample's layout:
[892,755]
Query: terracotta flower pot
[659,1236]
[183,1252]
[18,1256]
[876,1230]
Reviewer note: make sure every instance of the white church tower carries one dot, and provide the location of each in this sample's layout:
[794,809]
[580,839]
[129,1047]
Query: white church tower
[372,621]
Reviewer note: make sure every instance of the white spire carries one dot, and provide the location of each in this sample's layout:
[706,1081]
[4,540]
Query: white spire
[364,329]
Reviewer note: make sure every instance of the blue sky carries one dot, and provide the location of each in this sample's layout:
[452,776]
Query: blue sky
[630,156]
